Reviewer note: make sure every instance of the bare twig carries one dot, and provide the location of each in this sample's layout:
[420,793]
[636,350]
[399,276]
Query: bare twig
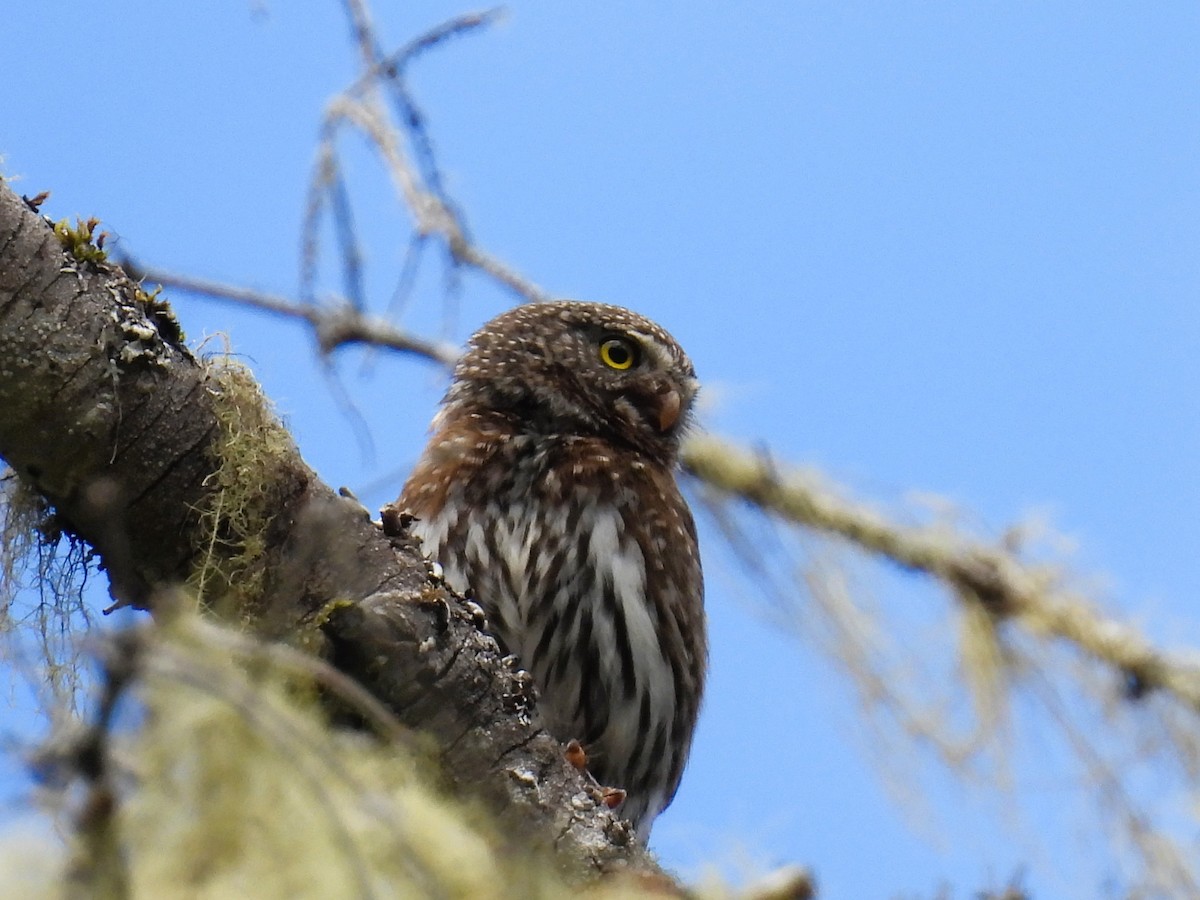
[418,177]
[395,63]
[333,326]
[433,213]
[391,72]
[352,255]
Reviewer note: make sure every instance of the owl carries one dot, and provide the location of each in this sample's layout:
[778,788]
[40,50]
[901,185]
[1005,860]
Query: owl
[548,492]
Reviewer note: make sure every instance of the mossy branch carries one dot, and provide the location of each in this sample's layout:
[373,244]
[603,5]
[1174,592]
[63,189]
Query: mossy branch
[167,468]
[993,578]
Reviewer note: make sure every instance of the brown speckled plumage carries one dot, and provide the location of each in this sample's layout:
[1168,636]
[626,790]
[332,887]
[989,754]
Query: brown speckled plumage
[548,491]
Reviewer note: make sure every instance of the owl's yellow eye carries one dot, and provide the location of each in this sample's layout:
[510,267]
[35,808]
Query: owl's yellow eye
[618,353]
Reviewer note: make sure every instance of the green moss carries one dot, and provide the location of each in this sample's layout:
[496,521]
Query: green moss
[310,635]
[42,572]
[323,614]
[80,239]
[255,462]
[21,512]
[242,782]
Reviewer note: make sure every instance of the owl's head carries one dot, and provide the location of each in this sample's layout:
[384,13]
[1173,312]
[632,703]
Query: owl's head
[575,368]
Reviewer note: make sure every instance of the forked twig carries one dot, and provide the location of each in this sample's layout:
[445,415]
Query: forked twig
[333,326]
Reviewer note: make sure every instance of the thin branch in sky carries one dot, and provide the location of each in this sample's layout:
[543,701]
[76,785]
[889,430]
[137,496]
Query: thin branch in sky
[351,248]
[310,227]
[403,141]
[333,326]
[407,279]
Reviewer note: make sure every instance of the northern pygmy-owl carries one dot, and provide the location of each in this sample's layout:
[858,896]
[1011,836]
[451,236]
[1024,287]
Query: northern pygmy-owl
[548,491]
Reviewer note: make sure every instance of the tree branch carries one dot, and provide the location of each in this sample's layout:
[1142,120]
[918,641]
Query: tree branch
[333,327]
[124,432]
[1007,587]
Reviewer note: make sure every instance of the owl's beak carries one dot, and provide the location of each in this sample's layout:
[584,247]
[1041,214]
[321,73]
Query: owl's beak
[675,401]
[669,406]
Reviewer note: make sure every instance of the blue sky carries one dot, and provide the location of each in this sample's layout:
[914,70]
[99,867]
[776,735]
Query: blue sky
[940,246]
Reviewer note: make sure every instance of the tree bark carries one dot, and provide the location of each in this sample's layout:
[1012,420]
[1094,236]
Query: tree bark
[110,417]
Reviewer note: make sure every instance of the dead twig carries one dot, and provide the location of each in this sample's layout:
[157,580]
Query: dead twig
[333,326]
[380,105]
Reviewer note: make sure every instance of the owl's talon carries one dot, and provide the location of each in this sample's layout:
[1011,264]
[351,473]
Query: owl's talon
[612,797]
[576,755]
[478,614]
[395,521]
